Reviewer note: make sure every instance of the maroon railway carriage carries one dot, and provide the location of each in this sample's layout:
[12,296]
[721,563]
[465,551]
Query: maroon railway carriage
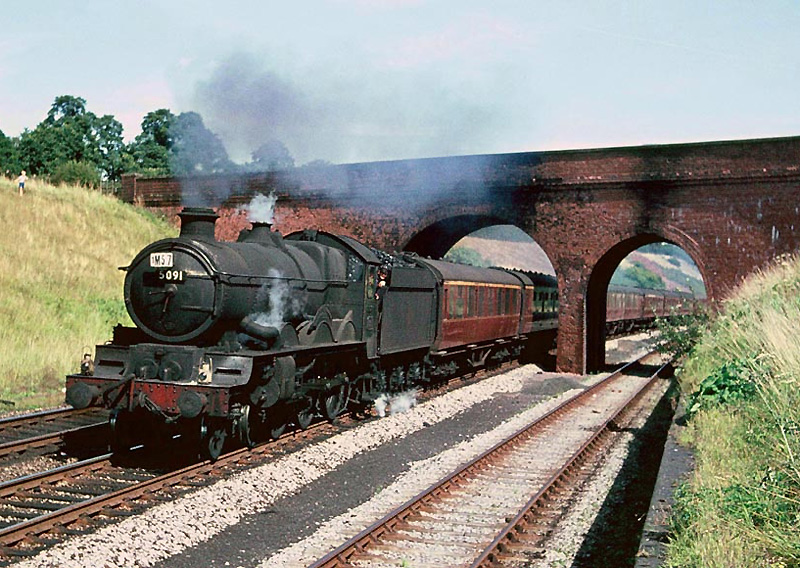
[629,307]
[479,305]
[493,313]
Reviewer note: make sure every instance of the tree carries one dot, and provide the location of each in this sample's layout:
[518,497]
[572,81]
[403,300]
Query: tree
[156,127]
[272,156]
[195,149]
[71,133]
[150,150]
[76,173]
[177,145]
[66,107]
[465,255]
[644,278]
[9,156]
[111,150]
[69,128]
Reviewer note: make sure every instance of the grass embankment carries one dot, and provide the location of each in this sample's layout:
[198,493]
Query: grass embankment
[742,506]
[60,289]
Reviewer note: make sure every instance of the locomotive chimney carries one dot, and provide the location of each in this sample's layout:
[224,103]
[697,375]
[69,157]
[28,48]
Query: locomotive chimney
[261,232]
[198,222]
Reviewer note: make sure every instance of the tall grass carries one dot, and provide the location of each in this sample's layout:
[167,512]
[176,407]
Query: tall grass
[60,287]
[742,505]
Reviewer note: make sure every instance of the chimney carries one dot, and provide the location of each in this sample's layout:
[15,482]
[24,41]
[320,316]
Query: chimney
[262,233]
[198,222]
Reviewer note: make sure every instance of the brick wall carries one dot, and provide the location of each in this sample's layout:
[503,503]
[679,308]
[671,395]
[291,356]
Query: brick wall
[732,205]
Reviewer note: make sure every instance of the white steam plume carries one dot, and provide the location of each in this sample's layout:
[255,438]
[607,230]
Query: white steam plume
[280,301]
[397,403]
[261,208]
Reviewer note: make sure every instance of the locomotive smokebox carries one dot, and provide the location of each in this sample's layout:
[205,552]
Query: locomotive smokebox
[198,222]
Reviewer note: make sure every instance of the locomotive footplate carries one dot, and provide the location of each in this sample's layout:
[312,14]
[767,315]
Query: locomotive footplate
[168,399]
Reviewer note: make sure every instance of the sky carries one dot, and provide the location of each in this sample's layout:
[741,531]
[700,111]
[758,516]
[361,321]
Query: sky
[357,80]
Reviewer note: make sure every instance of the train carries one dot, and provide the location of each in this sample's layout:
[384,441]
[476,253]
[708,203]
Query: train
[236,341]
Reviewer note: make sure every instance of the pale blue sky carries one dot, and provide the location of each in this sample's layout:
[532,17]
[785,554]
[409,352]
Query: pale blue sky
[354,80]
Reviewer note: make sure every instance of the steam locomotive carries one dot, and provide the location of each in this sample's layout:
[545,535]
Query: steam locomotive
[242,339]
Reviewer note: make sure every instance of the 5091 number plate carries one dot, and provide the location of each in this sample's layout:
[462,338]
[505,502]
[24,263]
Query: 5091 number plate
[163,276]
[171,275]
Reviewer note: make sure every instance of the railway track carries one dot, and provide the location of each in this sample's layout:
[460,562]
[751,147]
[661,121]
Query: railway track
[496,510]
[42,509]
[25,432]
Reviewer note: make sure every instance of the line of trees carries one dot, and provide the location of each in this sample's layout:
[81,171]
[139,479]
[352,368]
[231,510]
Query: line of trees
[74,145]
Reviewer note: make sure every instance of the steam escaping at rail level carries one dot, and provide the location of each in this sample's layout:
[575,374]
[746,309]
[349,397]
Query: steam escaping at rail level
[396,403]
[261,208]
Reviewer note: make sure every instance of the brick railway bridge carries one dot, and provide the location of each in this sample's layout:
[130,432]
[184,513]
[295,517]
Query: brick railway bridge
[732,206]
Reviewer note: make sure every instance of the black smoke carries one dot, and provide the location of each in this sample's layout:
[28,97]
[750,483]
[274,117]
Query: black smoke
[330,113]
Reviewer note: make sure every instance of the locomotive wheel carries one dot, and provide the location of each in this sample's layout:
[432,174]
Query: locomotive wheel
[121,431]
[305,416]
[335,401]
[249,426]
[212,439]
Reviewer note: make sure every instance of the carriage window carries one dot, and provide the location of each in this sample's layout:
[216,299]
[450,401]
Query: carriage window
[459,304]
[472,301]
[455,302]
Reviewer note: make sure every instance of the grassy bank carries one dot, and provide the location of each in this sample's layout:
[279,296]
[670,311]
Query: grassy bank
[742,506]
[60,289]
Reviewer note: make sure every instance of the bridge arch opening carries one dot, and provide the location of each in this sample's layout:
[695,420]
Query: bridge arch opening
[646,261]
[504,246]
[438,238]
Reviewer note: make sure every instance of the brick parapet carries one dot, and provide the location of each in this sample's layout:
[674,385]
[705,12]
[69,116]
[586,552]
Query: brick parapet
[733,206]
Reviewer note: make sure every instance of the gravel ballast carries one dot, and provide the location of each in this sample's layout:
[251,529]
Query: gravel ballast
[171,528]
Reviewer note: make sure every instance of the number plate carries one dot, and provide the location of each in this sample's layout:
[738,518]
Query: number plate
[161,259]
[163,276]
[170,275]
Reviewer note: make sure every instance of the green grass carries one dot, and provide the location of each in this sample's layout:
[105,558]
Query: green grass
[60,287]
[742,505]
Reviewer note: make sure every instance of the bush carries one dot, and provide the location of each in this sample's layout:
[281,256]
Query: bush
[83,174]
[465,255]
[640,276]
[679,333]
[730,383]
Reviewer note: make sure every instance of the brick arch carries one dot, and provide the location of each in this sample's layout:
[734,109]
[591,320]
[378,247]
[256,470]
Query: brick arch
[598,281]
[732,205]
[439,237]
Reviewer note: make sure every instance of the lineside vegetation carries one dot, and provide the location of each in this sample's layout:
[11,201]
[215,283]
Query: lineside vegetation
[60,290]
[741,506]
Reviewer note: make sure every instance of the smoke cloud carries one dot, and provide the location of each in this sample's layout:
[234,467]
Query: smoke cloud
[330,113]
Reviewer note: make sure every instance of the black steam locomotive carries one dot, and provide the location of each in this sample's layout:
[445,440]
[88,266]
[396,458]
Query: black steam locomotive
[240,339]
